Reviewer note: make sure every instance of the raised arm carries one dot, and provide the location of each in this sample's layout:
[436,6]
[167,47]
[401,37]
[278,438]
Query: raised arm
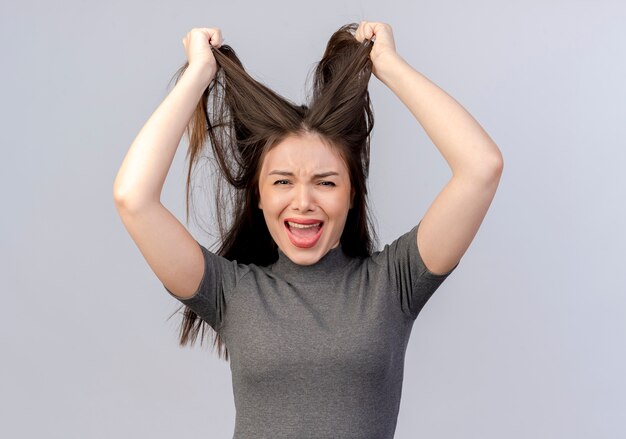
[453,219]
[170,250]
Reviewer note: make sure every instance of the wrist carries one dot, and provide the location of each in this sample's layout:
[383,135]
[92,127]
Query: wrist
[387,64]
[201,73]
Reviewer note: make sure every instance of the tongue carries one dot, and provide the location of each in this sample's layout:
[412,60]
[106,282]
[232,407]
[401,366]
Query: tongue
[304,233]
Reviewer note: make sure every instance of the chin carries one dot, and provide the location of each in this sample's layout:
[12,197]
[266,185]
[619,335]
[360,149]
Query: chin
[303,256]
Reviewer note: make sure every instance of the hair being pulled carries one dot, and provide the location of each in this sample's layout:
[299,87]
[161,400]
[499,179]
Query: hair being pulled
[243,119]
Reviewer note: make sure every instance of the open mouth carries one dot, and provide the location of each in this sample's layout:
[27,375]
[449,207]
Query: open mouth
[304,235]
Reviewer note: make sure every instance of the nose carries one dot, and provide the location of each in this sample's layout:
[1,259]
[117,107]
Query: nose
[303,199]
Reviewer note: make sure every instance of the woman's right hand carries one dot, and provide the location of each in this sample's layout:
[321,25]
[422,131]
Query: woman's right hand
[197,44]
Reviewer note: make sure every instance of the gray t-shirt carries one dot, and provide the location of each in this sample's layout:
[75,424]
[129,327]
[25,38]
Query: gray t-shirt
[317,351]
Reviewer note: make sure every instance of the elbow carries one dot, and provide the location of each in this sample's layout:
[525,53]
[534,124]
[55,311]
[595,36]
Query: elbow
[493,170]
[497,165]
[119,200]
[124,200]
[118,194]
[488,169]
[132,204]
[128,197]
[492,164]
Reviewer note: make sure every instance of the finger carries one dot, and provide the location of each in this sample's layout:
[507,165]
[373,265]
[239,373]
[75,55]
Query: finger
[368,30]
[359,32]
[219,40]
[214,36]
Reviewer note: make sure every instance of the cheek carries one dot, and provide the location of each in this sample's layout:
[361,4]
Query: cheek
[339,205]
[272,203]
[265,197]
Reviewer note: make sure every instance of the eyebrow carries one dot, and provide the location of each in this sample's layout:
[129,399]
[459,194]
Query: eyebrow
[290,174]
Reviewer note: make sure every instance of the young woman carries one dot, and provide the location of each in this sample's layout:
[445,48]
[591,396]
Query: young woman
[315,322]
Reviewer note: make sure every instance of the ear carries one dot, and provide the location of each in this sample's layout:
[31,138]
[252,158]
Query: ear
[257,193]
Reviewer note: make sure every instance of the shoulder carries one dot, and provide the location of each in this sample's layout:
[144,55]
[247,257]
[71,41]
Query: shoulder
[401,247]
[230,271]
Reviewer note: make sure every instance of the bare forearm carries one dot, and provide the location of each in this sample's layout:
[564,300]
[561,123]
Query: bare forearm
[143,172]
[461,140]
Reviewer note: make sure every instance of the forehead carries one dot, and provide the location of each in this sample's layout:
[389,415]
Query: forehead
[301,154]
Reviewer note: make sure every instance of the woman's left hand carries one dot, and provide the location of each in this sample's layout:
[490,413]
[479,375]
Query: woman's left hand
[383,42]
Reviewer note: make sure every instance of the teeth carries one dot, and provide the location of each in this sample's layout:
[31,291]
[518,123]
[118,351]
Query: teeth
[302,226]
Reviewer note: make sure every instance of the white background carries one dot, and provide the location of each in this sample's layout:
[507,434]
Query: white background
[524,340]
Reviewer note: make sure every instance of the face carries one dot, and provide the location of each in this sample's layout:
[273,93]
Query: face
[305,196]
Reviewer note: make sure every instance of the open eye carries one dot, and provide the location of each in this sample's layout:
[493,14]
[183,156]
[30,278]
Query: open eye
[327,183]
[279,182]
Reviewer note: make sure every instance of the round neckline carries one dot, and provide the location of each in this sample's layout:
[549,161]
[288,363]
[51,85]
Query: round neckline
[334,260]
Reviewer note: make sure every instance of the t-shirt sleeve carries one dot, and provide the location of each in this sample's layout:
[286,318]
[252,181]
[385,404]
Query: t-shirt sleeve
[411,281]
[218,282]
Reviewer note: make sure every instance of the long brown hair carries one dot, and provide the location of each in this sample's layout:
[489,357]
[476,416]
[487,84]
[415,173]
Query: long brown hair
[244,119]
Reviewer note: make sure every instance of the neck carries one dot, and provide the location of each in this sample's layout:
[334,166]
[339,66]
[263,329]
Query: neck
[334,260]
